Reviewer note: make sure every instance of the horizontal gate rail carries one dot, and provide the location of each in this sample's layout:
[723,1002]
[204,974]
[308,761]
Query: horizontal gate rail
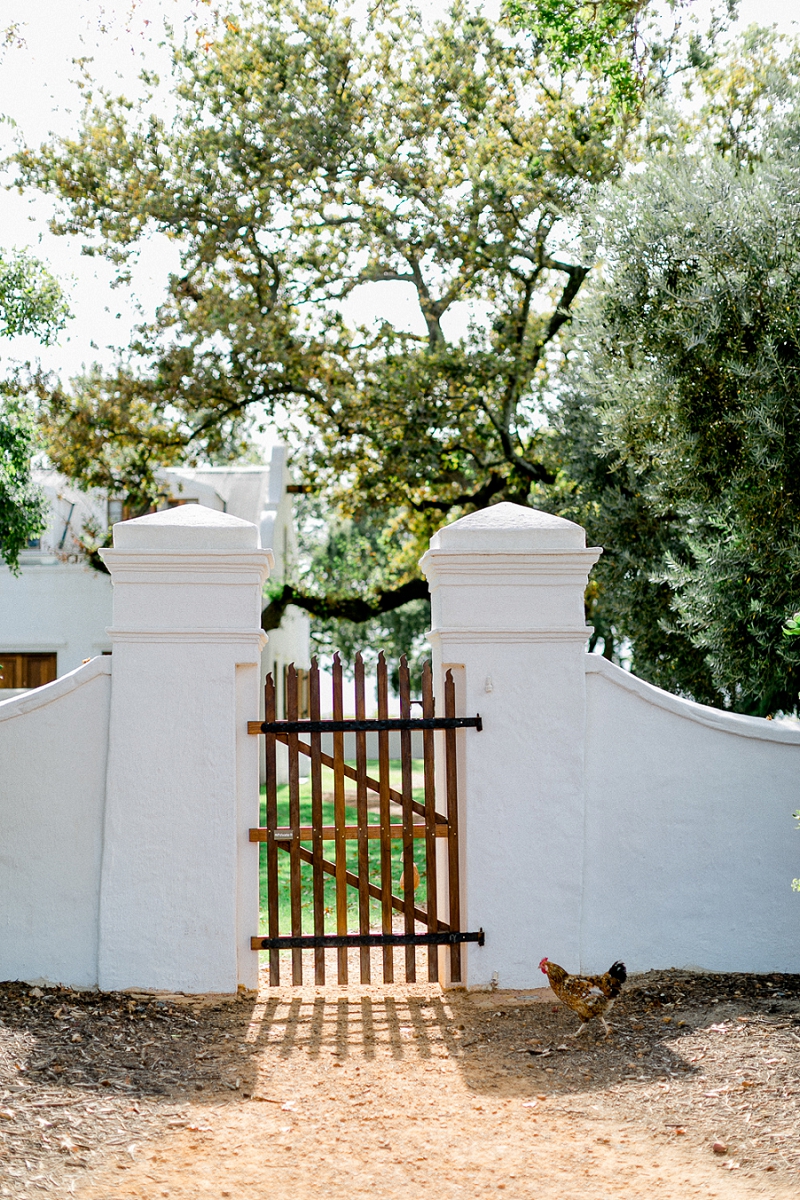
[305,833]
[368,725]
[351,940]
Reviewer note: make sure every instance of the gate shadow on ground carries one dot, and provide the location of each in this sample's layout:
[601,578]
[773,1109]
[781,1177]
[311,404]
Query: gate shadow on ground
[501,1042]
[502,1045]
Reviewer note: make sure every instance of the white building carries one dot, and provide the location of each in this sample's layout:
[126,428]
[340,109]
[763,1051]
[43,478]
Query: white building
[56,612]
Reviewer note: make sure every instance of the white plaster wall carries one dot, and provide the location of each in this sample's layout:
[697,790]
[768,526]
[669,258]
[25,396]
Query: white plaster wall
[55,606]
[182,783]
[171,861]
[601,818]
[247,816]
[690,847]
[521,810]
[53,750]
[507,612]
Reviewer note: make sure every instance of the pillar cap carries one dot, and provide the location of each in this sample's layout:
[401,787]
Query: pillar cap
[187,527]
[509,527]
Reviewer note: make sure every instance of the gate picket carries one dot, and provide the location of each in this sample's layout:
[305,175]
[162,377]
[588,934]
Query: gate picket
[316,822]
[435,931]
[339,818]
[271,777]
[385,819]
[362,818]
[295,875]
[408,821]
[430,819]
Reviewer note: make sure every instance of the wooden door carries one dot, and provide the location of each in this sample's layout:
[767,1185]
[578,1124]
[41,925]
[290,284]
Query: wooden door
[27,670]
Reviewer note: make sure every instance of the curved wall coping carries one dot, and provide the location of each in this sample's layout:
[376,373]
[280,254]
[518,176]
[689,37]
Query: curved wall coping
[702,714]
[40,697]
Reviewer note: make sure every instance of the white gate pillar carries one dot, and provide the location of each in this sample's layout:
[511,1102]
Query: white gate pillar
[507,598]
[179,883]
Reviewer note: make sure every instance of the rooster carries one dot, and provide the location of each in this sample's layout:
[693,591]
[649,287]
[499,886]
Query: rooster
[589,996]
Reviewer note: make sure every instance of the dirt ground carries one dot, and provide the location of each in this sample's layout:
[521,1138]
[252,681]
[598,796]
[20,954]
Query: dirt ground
[402,1091]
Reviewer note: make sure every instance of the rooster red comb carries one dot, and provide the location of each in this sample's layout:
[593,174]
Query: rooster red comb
[543,966]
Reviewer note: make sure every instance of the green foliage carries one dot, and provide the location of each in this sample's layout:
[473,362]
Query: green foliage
[792,626]
[746,92]
[691,357]
[629,603]
[23,507]
[636,47]
[31,302]
[603,35]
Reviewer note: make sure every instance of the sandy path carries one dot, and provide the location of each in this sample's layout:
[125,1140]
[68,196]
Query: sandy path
[409,1092]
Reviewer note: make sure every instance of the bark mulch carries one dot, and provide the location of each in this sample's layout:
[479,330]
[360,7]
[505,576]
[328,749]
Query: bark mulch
[372,1091]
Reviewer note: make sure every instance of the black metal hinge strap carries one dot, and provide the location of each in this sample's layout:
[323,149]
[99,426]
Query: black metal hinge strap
[378,725]
[336,940]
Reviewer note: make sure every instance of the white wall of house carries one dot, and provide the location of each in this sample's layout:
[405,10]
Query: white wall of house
[58,607]
[291,642]
[58,603]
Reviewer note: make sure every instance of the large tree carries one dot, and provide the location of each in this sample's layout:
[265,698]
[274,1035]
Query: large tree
[680,427]
[306,158]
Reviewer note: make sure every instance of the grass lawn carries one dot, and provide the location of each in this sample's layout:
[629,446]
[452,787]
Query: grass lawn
[420,895]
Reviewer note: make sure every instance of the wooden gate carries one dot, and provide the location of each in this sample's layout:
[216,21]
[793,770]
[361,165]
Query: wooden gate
[315,827]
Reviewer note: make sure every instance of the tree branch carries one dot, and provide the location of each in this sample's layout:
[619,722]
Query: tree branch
[480,499]
[533,471]
[347,608]
[576,275]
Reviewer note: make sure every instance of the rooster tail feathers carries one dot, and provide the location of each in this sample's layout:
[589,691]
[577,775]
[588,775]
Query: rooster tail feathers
[617,971]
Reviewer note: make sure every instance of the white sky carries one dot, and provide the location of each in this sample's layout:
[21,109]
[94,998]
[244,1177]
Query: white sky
[37,93]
